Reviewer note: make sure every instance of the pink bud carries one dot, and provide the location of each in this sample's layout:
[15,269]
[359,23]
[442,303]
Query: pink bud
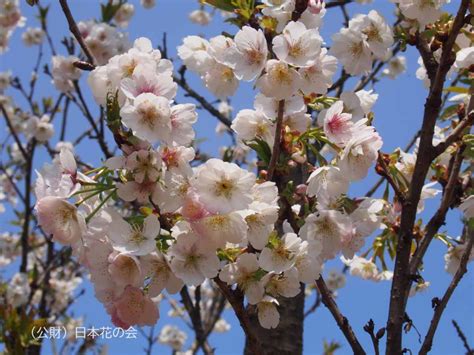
[316,6]
[301,189]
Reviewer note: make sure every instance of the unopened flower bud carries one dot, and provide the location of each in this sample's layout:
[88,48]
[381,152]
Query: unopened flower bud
[301,189]
[316,6]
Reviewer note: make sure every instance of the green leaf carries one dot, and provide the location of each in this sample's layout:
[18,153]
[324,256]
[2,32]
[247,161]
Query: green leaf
[261,148]
[449,112]
[457,89]
[468,140]
[110,9]
[224,5]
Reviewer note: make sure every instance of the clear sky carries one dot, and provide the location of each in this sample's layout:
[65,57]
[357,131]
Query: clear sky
[398,114]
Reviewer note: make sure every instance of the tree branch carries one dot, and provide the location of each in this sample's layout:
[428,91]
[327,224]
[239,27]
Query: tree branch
[181,81]
[75,31]
[13,132]
[463,338]
[440,307]
[386,174]
[401,278]
[438,218]
[341,321]
[196,319]
[456,134]
[236,300]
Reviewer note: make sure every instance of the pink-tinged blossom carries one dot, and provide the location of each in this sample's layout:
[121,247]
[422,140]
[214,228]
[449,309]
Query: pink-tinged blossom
[223,187]
[133,307]
[281,256]
[183,117]
[268,315]
[423,11]
[149,116]
[269,106]
[377,33]
[324,230]
[145,80]
[317,76]
[220,79]
[327,182]
[218,229]
[134,239]
[61,219]
[360,152]
[192,260]
[353,51]
[297,45]
[249,55]
[125,269]
[243,273]
[132,190]
[177,158]
[156,267]
[338,126]
[251,124]
[145,165]
[194,54]
[260,219]
[279,81]
[285,284]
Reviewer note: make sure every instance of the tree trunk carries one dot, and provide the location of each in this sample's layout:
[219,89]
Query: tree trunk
[287,338]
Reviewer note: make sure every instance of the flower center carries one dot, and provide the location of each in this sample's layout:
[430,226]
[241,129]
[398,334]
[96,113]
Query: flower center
[224,187]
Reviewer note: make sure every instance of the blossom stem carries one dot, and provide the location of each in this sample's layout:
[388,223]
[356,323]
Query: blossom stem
[102,203]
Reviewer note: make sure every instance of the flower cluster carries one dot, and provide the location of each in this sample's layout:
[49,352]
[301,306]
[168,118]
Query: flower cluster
[367,37]
[152,219]
[103,40]
[10,18]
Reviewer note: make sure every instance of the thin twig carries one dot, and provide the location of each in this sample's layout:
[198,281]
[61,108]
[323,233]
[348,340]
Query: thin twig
[181,81]
[13,132]
[75,30]
[441,305]
[386,173]
[341,321]
[463,338]
[456,134]
[196,319]
[438,218]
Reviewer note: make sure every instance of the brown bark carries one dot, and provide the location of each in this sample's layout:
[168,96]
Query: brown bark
[287,338]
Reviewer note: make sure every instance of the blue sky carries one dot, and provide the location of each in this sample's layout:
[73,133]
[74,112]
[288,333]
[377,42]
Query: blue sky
[398,114]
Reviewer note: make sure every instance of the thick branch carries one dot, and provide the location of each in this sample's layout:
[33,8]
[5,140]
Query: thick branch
[236,300]
[341,321]
[401,279]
